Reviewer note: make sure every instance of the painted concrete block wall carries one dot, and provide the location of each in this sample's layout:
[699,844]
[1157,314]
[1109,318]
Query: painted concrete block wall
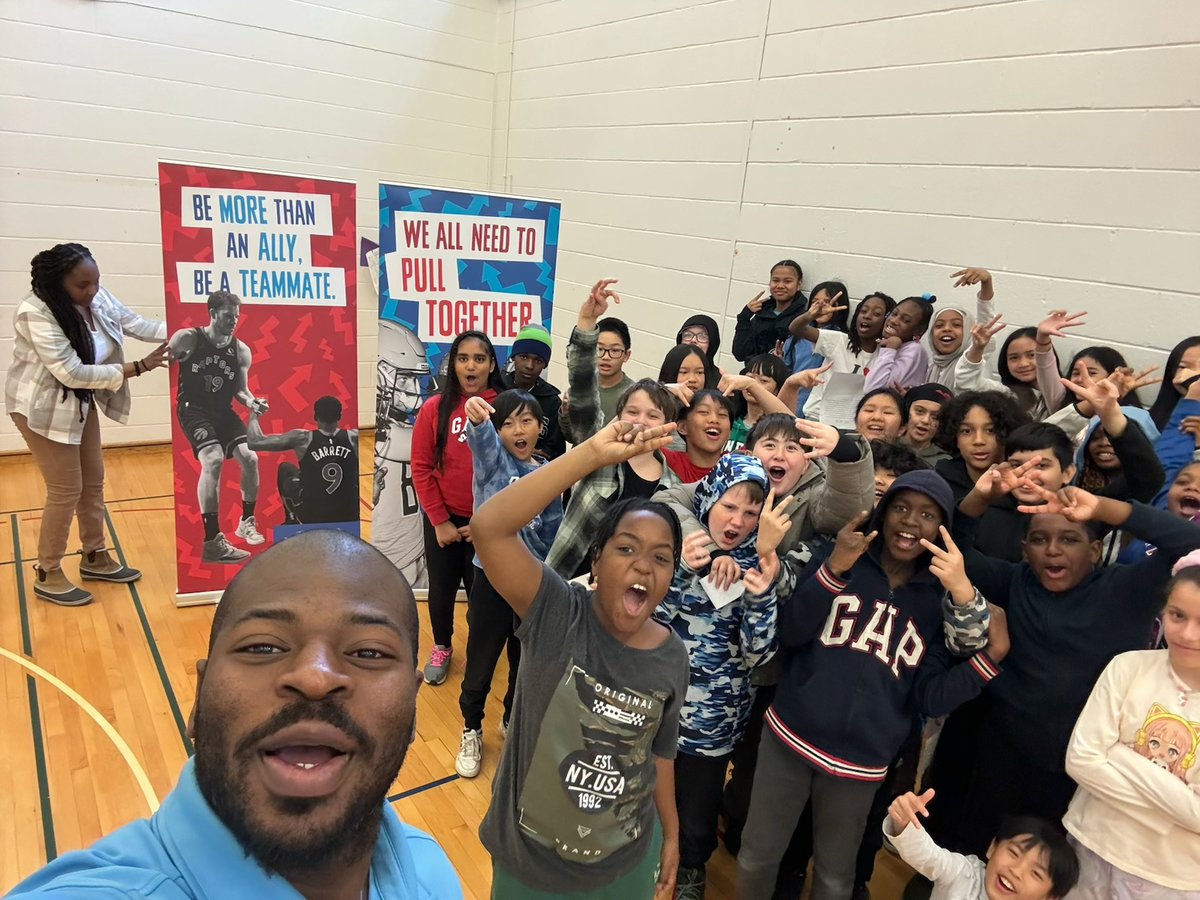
[93,94]
[882,142]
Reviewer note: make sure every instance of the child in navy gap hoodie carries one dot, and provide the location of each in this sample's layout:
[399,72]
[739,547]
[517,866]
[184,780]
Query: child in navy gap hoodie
[864,630]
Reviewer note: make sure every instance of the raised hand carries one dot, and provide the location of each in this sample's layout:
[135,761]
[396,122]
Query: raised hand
[478,410]
[695,550]
[1076,504]
[983,332]
[773,524]
[807,379]
[1103,395]
[950,568]
[820,438]
[851,544]
[1128,381]
[827,304]
[731,384]
[971,276]
[597,301]
[682,393]
[906,809]
[1055,322]
[1004,478]
[619,441]
[760,578]
[778,351]
[756,302]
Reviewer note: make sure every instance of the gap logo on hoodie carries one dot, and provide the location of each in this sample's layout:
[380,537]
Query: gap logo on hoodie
[872,631]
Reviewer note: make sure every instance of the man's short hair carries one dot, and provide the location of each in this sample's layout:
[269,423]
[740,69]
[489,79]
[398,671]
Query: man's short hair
[615,326]
[219,300]
[328,409]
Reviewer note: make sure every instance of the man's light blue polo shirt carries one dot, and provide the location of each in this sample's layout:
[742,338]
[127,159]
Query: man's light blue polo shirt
[184,852]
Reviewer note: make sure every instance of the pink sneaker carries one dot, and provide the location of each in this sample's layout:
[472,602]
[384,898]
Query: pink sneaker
[439,664]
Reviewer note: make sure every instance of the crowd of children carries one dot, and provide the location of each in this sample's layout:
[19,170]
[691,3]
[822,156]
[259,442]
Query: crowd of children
[727,618]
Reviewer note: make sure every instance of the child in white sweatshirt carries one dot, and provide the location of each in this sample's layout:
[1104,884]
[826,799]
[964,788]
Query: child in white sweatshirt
[1136,815]
[1029,859]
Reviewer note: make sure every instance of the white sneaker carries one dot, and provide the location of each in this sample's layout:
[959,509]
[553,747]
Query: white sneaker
[470,753]
[247,530]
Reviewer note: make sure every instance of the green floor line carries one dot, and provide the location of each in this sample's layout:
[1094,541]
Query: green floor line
[35,712]
[176,712]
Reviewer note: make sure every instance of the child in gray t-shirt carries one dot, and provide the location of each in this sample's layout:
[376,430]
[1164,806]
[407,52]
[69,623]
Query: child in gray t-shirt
[584,797]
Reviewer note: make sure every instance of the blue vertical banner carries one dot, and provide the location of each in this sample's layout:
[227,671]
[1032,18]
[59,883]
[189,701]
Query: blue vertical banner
[448,262]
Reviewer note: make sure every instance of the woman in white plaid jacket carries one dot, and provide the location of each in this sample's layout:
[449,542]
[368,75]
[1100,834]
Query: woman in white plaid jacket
[69,360]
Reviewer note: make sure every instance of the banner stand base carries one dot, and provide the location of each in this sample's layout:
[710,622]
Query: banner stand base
[200,598]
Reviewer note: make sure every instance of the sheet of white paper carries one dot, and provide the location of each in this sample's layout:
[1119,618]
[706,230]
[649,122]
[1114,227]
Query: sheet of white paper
[842,393]
[719,597]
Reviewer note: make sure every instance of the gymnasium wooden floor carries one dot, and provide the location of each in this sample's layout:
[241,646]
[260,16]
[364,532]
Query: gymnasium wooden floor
[95,699]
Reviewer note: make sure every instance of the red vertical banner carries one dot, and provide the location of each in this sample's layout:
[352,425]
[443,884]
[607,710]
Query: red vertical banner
[260,276]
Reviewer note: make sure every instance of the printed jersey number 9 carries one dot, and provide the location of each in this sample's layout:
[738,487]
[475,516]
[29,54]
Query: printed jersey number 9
[214,383]
[332,473]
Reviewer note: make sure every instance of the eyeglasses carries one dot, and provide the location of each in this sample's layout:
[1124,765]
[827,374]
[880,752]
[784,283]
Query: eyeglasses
[693,337]
[611,352]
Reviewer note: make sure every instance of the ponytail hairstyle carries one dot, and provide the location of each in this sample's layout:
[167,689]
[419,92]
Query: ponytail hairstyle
[452,392]
[46,273]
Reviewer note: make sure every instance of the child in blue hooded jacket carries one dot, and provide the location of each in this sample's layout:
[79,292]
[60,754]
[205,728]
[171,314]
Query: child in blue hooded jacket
[865,655]
[502,441]
[726,635]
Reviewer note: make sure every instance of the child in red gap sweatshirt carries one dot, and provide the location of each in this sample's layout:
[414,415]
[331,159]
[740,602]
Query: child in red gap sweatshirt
[442,475]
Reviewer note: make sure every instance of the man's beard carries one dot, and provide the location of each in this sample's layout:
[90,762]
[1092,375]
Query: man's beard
[222,774]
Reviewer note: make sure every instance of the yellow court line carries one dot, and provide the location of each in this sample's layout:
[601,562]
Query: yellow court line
[139,774]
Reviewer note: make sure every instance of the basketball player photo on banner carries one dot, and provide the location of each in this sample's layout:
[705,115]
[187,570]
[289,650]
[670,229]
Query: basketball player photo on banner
[447,262]
[260,273]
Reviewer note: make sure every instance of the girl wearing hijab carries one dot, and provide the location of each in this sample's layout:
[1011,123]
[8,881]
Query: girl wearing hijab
[947,337]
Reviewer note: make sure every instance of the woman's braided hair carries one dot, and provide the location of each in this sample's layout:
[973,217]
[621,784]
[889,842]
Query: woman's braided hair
[47,271]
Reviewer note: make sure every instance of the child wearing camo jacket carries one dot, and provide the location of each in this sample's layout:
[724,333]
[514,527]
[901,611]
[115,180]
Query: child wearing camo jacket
[727,633]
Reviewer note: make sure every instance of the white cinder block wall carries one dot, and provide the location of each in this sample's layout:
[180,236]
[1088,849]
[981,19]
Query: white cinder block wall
[93,94]
[693,144]
[882,142]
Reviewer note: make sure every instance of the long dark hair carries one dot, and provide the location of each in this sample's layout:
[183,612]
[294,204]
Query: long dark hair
[452,392]
[669,372]
[46,273]
[1026,395]
[1168,396]
[1110,360]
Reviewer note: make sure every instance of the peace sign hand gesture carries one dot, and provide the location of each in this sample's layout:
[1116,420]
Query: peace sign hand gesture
[950,568]
[1103,395]
[756,302]
[983,332]
[851,544]
[1076,504]
[773,524]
